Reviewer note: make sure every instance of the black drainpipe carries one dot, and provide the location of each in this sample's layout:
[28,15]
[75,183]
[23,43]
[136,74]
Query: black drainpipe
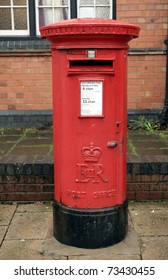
[163,116]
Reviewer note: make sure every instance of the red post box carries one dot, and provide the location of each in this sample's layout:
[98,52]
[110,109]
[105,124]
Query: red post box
[89,62]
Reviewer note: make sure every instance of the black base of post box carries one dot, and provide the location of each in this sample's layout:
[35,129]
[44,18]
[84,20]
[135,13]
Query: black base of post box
[95,228]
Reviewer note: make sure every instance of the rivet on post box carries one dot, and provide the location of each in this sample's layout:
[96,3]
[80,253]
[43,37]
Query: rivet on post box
[89,62]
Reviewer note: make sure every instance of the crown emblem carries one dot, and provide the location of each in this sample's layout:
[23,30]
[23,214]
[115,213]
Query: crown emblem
[91,153]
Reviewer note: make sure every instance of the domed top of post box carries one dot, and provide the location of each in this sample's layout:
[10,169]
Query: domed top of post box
[94,29]
[89,26]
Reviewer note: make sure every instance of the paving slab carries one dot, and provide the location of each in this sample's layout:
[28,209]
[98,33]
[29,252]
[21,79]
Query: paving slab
[37,207]
[43,159]
[154,248]
[150,221]
[5,148]
[29,225]
[128,249]
[151,205]
[6,214]
[22,250]
[17,132]
[8,138]
[27,233]
[140,135]
[152,145]
[35,141]
[39,134]
[3,230]
[105,257]
[152,151]
[30,150]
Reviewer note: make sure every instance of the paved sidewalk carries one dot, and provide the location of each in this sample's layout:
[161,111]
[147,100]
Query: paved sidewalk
[26,233]
[34,145]
[26,229]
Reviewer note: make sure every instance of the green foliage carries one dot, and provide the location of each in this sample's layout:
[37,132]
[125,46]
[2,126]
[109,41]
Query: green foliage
[132,147]
[143,123]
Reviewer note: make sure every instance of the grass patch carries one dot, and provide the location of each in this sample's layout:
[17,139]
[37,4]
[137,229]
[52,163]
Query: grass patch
[142,123]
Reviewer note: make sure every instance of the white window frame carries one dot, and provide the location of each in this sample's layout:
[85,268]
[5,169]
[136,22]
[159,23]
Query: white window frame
[13,32]
[95,6]
[53,15]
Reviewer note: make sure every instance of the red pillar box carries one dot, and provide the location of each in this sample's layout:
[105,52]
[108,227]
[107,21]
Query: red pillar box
[89,62]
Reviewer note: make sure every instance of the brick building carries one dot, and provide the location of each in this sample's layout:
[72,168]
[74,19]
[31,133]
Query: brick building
[25,59]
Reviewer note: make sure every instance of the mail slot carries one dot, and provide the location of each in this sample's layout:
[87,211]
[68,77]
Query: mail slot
[88,65]
[89,62]
[94,65]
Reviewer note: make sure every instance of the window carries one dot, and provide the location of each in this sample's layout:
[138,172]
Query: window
[94,8]
[14,18]
[50,11]
[25,17]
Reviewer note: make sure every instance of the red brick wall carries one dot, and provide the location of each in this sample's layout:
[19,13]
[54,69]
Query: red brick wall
[25,82]
[146,81]
[151,16]
[146,72]
[29,188]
